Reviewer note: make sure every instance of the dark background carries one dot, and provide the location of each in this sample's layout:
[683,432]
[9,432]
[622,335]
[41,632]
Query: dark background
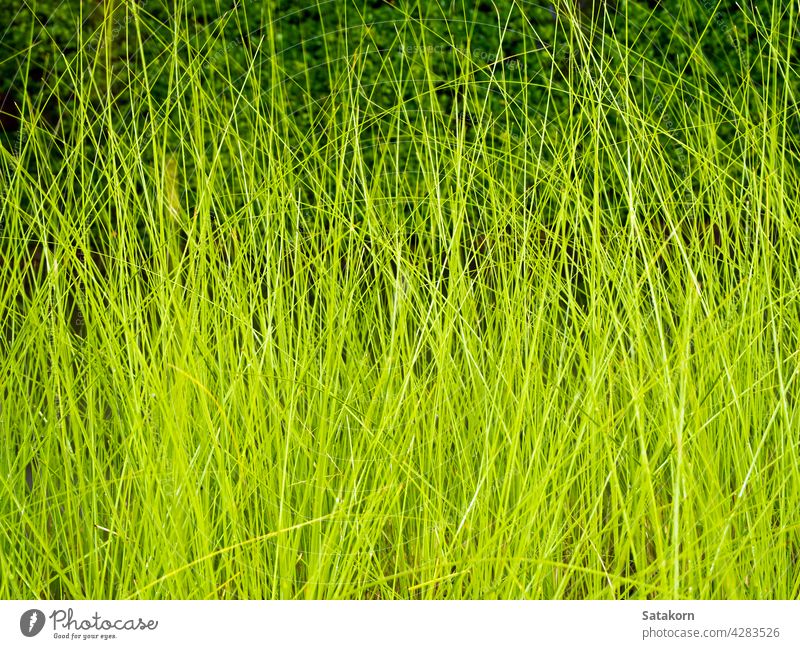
[682,45]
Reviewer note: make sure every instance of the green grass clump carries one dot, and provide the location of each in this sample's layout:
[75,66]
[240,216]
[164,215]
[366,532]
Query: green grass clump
[454,328]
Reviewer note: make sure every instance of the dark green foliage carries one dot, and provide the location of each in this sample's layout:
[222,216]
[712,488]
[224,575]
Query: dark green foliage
[43,35]
[514,52]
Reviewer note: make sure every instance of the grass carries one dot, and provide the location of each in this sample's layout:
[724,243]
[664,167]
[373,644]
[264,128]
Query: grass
[545,353]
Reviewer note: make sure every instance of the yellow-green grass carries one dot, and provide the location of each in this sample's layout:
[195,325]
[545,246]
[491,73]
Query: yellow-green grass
[402,355]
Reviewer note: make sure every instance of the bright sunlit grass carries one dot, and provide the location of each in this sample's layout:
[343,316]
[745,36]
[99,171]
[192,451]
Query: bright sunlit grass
[362,348]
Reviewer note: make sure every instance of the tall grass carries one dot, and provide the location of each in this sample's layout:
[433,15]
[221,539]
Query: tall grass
[380,349]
